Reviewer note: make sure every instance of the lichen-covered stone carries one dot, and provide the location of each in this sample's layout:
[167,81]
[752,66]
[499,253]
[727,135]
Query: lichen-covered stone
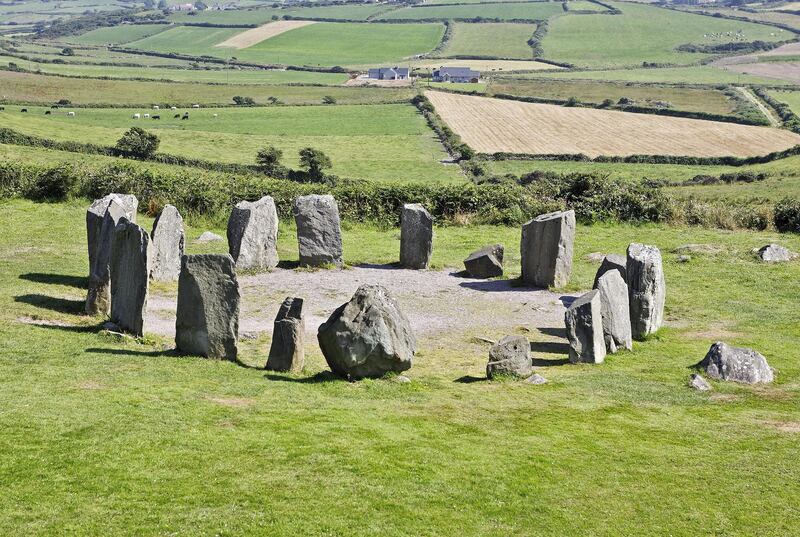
[319,236]
[646,288]
[253,234]
[612,262]
[130,276]
[416,236]
[546,249]
[737,364]
[584,324]
[774,253]
[288,336]
[511,356]
[486,262]
[616,311]
[167,245]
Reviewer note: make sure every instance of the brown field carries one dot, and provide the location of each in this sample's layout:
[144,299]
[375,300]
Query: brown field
[262,33]
[494,125]
[789,71]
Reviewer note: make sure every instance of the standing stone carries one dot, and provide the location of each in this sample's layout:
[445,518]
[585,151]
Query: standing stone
[612,262]
[319,236]
[510,356]
[130,275]
[167,241]
[253,234]
[416,236]
[486,262]
[584,322]
[207,322]
[546,249]
[288,336]
[616,311]
[368,336]
[723,362]
[646,289]
[101,219]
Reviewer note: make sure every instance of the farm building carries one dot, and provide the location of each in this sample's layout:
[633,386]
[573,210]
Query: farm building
[389,73]
[456,74]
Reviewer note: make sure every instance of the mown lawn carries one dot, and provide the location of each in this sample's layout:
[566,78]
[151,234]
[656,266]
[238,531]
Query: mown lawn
[104,437]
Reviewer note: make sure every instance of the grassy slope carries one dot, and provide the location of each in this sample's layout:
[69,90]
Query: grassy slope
[514,10]
[106,438]
[792,98]
[195,41]
[490,39]
[118,34]
[676,75]
[641,33]
[264,15]
[382,142]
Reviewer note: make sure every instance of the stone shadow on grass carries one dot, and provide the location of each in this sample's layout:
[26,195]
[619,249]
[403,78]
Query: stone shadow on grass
[495,286]
[61,305]
[169,353]
[469,379]
[55,325]
[81,282]
[551,347]
[322,376]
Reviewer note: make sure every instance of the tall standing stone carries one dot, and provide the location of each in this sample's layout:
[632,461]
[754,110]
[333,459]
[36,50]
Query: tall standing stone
[288,336]
[168,242]
[646,288]
[207,322]
[616,311]
[253,234]
[416,236]
[130,276]
[612,262]
[319,236]
[546,249]
[584,323]
[101,219]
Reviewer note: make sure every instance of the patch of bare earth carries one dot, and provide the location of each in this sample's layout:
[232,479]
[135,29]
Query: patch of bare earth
[783,426]
[789,71]
[236,402]
[90,385]
[262,33]
[496,125]
[364,80]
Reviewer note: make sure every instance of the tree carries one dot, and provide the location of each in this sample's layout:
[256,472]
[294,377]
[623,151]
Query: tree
[314,161]
[329,99]
[138,143]
[162,4]
[67,51]
[243,101]
[268,160]
[64,102]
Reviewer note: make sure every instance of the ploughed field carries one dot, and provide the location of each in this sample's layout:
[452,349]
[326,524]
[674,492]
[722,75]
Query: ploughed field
[494,125]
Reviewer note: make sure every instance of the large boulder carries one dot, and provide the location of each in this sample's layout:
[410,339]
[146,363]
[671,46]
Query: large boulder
[615,311]
[288,336]
[584,323]
[102,218]
[774,253]
[253,234]
[511,356]
[207,322]
[416,236]
[486,262]
[646,288]
[130,275]
[615,262]
[167,244]
[546,249]
[368,336]
[738,364]
[319,235]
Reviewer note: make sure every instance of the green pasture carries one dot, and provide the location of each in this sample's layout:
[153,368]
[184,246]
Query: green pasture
[190,40]
[261,15]
[118,35]
[792,98]
[505,11]
[776,17]
[584,5]
[675,75]
[502,40]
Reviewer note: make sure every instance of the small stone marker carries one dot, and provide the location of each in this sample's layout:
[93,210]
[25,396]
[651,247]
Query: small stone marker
[615,311]
[416,236]
[584,323]
[288,336]
[646,288]
[698,383]
[253,234]
[208,236]
[612,262]
[774,253]
[486,262]
[319,236]
[101,219]
[368,336]
[737,364]
[510,356]
[546,249]
[207,322]
[167,241]
[130,276]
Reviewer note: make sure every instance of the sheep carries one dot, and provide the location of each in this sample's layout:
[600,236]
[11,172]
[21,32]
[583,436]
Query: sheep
[173,107]
[137,116]
[155,107]
[71,114]
[195,106]
[216,115]
[146,116]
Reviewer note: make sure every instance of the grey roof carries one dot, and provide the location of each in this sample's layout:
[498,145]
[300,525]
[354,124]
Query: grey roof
[381,71]
[458,72]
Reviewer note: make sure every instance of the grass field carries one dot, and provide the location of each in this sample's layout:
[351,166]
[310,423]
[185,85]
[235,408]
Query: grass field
[641,33]
[261,15]
[383,142]
[510,11]
[792,98]
[490,39]
[675,75]
[496,125]
[787,19]
[118,35]
[113,438]
[191,40]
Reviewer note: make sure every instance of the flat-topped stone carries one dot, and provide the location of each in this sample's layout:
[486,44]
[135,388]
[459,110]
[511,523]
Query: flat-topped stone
[319,236]
[486,262]
[416,236]
[253,234]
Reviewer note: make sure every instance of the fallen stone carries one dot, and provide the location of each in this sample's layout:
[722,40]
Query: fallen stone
[416,236]
[101,220]
[511,356]
[546,249]
[615,312]
[207,322]
[774,253]
[288,337]
[130,276]
[208,236]
[486,262]
[368,336]
[253,234]
[536,379]
[584,323]
[646,289]
[699,383]
[167,243]
[319,236]
[402,379]
[737,364]
[611,262]
[684,258]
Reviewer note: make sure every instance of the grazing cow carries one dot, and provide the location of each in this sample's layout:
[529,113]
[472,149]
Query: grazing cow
[176,116]
[137,116]
[156,117]
[184,118]
[47,112]
[24,110]
[147,116]
[71,114]
[2,107]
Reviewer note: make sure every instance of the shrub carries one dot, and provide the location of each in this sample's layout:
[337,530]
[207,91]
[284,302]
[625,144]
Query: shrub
[329,99]
[787,215]
[138,143]
[55,184]
[243,101]
[314,161]
[268,160]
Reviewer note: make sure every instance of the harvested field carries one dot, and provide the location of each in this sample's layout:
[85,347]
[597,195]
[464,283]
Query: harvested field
[789,71]
[495,125]
[262,33]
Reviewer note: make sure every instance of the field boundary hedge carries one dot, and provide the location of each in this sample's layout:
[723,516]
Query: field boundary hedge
[790,120]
